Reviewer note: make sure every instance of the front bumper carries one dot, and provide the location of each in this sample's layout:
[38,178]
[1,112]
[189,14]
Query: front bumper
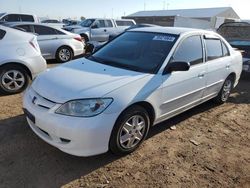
[73,135]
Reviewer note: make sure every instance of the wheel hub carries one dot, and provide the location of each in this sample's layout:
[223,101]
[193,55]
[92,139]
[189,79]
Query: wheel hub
[132,132]
[13,80]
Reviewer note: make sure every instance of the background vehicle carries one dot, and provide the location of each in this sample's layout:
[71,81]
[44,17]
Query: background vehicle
[17,17]
[238,36]
[50,21]
[141,78]
[20,60]
[92,46]
[100,29]
[54,43]
[68,22]
[53,23]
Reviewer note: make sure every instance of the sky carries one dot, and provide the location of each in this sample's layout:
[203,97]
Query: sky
[74,9]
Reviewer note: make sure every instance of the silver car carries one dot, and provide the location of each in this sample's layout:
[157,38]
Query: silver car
[54,43]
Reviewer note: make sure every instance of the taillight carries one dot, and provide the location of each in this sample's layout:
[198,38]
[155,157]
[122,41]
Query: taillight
[78,39]
[32,44]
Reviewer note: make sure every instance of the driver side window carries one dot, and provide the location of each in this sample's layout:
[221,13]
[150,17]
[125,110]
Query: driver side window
[190,50]
[99,24]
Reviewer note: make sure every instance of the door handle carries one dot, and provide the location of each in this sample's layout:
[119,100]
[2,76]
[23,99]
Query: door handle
[201,75]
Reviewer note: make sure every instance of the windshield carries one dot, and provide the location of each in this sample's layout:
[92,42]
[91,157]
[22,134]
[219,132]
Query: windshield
[1,14]
[87,22]
[138,51]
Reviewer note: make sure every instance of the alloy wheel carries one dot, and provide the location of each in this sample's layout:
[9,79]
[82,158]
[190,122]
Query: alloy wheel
[226,90]
[64,54]
[132,132]
[13,80]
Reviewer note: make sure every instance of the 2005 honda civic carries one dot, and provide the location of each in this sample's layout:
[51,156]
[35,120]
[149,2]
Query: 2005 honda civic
[109,100]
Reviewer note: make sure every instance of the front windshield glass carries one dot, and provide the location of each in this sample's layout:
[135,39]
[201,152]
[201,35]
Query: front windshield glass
[138,51]
[87,22]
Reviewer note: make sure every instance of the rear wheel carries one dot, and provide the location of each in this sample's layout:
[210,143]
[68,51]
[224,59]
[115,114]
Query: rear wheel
[225,90]
[13,79]
[64,54]
[130,130]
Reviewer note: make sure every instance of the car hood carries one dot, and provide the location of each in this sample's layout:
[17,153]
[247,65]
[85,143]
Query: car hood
[82,78]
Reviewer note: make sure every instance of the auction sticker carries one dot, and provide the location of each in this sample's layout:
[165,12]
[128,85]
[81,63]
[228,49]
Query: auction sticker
[164,38]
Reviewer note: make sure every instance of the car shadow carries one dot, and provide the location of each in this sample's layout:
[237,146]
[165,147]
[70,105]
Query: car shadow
[26,160]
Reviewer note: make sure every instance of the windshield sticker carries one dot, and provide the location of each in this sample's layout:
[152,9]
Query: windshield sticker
[164,38]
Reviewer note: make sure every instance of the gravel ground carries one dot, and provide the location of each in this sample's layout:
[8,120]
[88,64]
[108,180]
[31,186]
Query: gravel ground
[210,147]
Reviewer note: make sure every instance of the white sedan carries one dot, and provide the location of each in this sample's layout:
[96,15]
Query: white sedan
[20,60]
[110,99]
[55,43]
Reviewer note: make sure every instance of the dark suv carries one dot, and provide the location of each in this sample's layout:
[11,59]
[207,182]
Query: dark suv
[238,35]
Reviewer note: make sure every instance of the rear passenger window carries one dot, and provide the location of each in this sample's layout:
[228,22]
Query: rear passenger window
[27,18]
[214,49]
[2,34]
[190,50]
[225,49]
[43,30]
[25,27]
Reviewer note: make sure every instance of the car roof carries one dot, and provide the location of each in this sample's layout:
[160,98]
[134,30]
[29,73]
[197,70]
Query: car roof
[170,30]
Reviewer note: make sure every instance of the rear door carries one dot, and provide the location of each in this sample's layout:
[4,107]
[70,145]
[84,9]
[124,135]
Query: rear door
[218,63]
[48,40]
[27,18]
[182,90]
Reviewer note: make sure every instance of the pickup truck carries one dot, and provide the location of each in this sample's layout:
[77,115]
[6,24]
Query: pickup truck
[99,30]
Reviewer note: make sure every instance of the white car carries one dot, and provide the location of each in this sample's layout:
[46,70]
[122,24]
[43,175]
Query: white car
[20,60]
[54,43]
[17,17]
[145,76]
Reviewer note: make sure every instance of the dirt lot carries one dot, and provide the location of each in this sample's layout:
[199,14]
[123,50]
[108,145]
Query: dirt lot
[209,148]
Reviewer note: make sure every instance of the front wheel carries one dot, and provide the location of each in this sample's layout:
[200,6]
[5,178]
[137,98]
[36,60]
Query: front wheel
[130,130]
[225,90]
[13,79]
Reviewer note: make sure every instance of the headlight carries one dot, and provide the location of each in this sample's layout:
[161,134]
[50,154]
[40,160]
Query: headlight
[84,107]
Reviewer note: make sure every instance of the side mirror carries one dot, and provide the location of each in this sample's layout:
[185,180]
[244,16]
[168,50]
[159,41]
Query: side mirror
[94,26]
[176,66]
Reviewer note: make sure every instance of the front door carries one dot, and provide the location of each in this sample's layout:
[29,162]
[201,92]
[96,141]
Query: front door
[99,31]
[182,90]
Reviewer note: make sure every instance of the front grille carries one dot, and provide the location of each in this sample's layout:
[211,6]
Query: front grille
[40,101]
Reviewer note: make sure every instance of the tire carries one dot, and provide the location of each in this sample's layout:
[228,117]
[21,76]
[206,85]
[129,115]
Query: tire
[13,79]
[126,132]
[225,91]
[64,54]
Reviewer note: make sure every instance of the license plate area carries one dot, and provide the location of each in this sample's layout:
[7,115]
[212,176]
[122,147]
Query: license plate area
[29,115]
